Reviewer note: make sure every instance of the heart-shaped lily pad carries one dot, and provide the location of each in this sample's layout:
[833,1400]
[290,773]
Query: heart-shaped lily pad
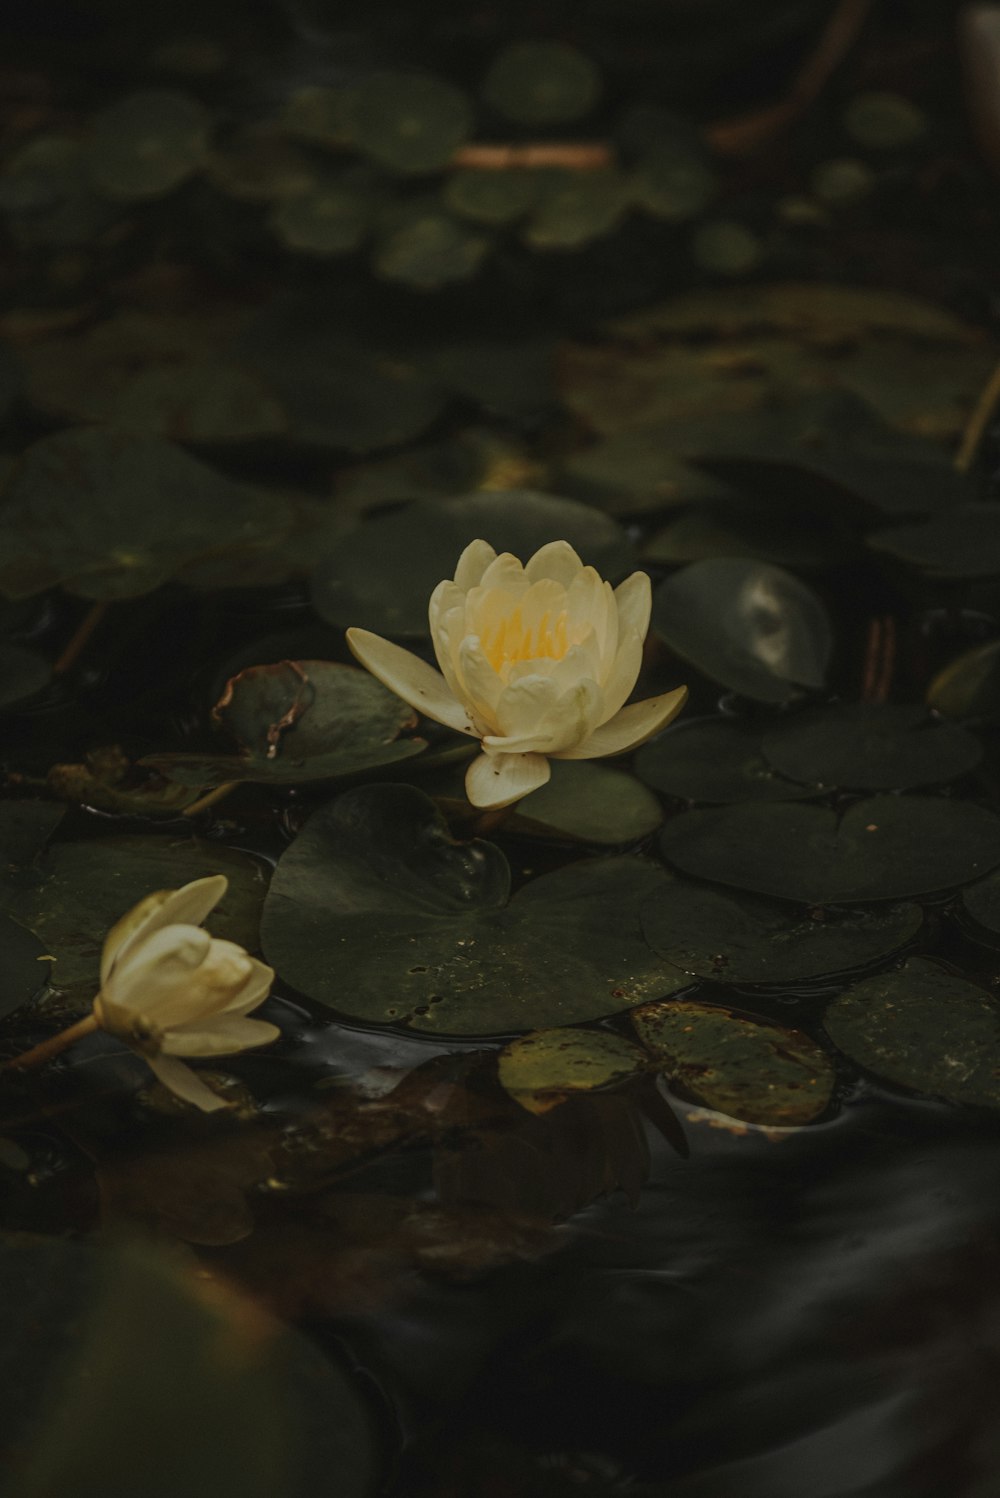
[22,674]
[714,759]
[84,888]
[963,542]
[745,1067]
[542,83]
[592,802]
[543,1069]
[739,939]
[870,747]
[297,721]
[924,1028]
[148,144]
[376,912]
[69,514]
[382,574]
[408,122]
[751,626]
[884,848]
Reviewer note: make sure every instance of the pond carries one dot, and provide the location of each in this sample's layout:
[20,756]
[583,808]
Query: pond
[499,702]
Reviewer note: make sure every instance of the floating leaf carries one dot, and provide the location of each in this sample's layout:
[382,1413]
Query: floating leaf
[47,197]
[297,721]
[492,197]
[844,182]
[429,249]
[591,802]
[745,940]
[784,536]
[982,902]
[258,166]
[870,747]
[963,542]
[408,122]
[147,144]
[969,686]
[22,673]
[24,970]
[25,828]
[542,83]
[318,113]
[635,473]
[924,1028]
[714,759]
[576,207]
[885,848]
[753,627]
[883,121]
[745,1067]
[543,1069]
[382,574]
[726,248]
[206,402]
[326,218]
[374,911]
[107,782]
[672,183]
[86,886]
[508,376]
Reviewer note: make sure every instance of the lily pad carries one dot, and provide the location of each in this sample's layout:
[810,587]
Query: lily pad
[408,122]
[47,198]
[297,721]
[543,1069]
[25,828]
[969,686]
[576,207]
[542,83]
[148,144]
[106,781]
[870,747]
[923,1028]
[23,673]
[327,218]
[256,165]
[963,542]
[24,968]
[982,902]
[69,514]
[725,247]
[376,912]
[745,1067]
[750,626]
[884,848]
[493,197]
[84,887]
[382,574]
[428,249]
[591,802]
[672,183]
[636,473]
[714,760]
[206,401]
[784,536]
[883,121]
[738,939]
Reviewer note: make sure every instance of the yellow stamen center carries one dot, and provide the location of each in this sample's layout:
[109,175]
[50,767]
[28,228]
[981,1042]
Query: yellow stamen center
[513,641]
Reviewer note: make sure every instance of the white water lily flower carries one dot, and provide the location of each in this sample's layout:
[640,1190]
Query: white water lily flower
[168,989]
[537,662]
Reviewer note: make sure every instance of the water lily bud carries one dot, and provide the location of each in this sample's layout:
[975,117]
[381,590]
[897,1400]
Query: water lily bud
[537,662]
[168,989]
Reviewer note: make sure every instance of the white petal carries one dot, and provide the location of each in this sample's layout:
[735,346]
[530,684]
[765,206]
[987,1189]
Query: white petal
[634,598]
[447,634]
[557,560]
[410,678]
[506,573]
[254,991]
[495,780]
[187,906]
[481,686]
[568,720]
[168,955]
[631,727]
[221,1037]
[523,705]
[473,562]
[181,1081]
[621,679]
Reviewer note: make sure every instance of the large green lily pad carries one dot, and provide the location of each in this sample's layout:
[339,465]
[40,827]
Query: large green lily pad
[884,848]
[542,83]
[870,747]
[673,182]
[715,760]
[740,939]
[543,1069]
[745,1067]
[297,721]
[782,535]
[751,626]
[638,473]
[408,122]
[924,1028]
[592,802]
[71,513]
[24,970]
[575,207]
[981,901]
[147,144]
[381,575]
[376,912]
[494,197]
[325,218]
[84,887]
[963,542]
[25,828]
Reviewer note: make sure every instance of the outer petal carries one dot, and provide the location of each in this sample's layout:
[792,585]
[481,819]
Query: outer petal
[187,906]
[558,560]
[183,1082]
[220,1037]
[567,721]
[505,573]
[473,562]
[624,674]
[495,780]
[162,960]
[410,678]
[480,683]
[254,991]
[634,598]
[629,728]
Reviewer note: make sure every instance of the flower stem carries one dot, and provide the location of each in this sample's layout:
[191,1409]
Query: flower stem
[210,798]
[53,1046]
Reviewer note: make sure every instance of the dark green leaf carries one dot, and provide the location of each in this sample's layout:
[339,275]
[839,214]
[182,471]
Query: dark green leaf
[784,536]
[542,83]
[635,473]
[575,207]
[982,902]
[492,197]
[326,218]
[542,1069]
[408,122]
[428,248]
[964,542]
[147,144]
[375,911]
[714,759]
[745,1067]
[870,747]
[885,848]
[591,802]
